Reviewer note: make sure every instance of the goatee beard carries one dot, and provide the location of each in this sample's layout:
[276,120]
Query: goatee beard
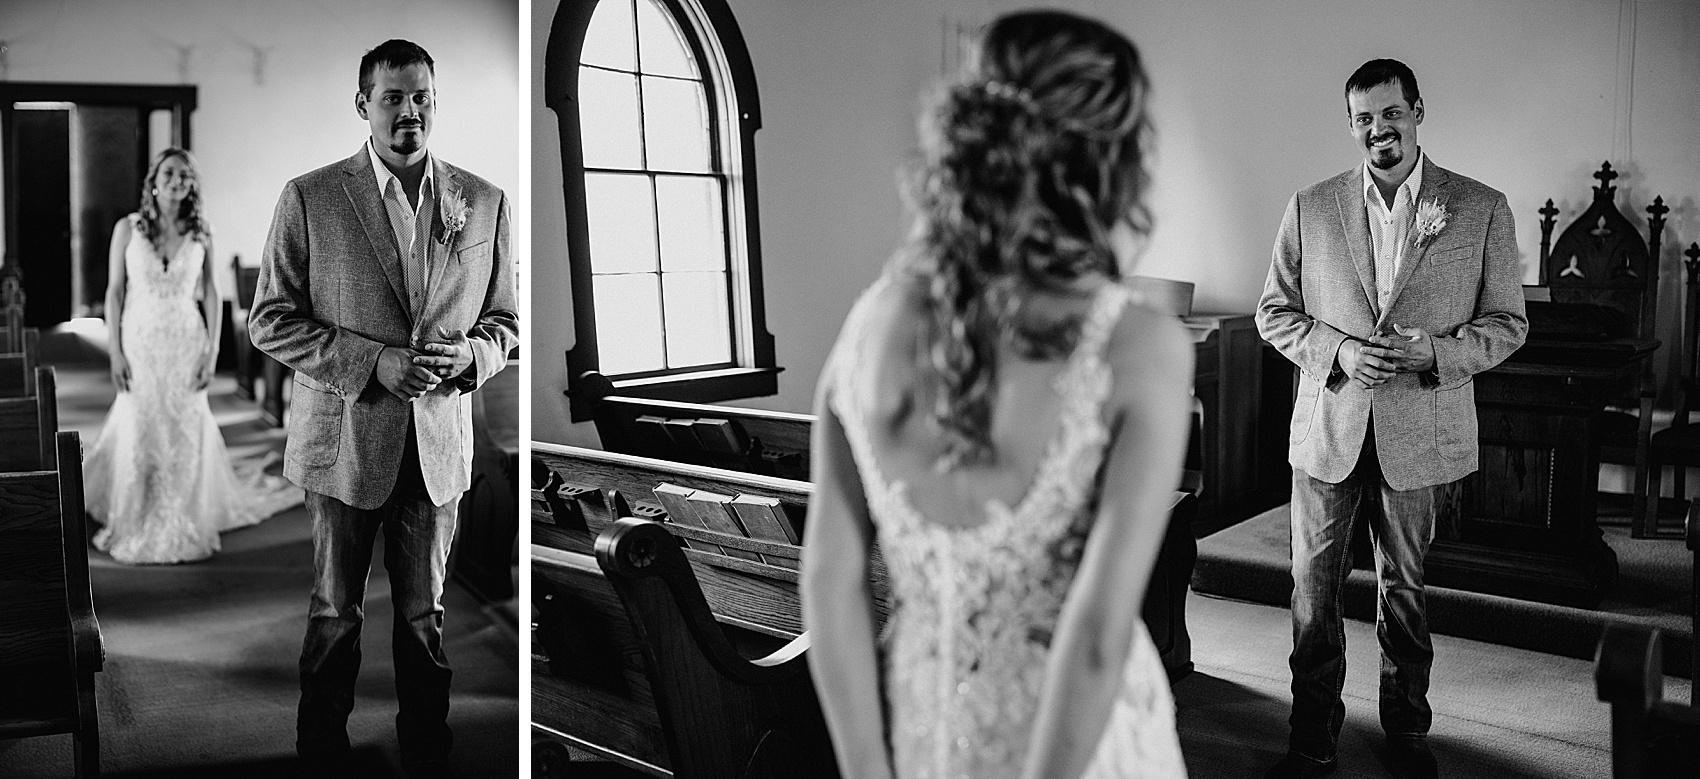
[405,147]
[1388,159]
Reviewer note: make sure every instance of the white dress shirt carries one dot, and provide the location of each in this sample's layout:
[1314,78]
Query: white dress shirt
[1390,228]
[411,226]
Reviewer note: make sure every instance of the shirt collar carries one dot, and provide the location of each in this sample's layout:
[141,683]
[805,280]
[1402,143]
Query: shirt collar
[384,176]
[1413,182]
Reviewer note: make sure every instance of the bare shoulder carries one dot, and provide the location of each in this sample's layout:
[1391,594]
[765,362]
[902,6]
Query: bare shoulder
[126,224]
[1150,353]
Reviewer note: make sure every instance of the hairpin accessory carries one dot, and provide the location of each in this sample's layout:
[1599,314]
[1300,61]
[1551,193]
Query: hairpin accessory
[1010,92]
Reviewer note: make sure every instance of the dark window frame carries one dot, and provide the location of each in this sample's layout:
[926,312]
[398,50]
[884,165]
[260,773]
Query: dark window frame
[759,375]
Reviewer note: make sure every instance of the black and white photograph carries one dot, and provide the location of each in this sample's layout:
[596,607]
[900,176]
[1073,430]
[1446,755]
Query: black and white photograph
[1113,389]
[888,389]
[259,511]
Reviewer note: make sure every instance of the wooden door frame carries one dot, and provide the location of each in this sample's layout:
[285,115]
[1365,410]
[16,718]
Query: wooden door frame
[180,100]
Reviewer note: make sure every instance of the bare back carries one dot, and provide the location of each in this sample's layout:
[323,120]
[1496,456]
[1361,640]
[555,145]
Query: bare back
[982,559]
[1026,415]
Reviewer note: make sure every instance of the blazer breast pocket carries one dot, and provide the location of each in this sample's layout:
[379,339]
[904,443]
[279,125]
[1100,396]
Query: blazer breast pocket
[478,252]
[1447,255]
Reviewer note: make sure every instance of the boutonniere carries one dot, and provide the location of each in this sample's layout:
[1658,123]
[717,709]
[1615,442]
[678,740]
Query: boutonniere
[1431,219]
[455,213]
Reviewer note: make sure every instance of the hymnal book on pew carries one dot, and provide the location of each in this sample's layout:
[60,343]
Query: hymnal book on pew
[684,434]
[674,500]
[719,435]
[715,513]
[649,437]
[765,518]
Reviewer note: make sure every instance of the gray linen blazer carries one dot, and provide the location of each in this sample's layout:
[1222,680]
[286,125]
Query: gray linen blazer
[331,296]
[1462,287]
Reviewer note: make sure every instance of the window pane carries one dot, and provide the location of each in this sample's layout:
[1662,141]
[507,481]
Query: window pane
[622,222]
[628,323]
[676,124]
[692,232]
[664,51]
[698,327]
[608,118]
[608,41]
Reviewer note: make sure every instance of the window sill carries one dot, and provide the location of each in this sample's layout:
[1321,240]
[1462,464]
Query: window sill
[710,386]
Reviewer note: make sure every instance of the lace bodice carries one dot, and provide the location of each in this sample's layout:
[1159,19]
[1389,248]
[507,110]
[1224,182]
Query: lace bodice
[974,607]
[152,277]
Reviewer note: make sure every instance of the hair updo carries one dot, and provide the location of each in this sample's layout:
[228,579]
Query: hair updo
[1028,163]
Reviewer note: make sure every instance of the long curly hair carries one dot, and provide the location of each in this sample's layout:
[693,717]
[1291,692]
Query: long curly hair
[188,216]
[1028,163]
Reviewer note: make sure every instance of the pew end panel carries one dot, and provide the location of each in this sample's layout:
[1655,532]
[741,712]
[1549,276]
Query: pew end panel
[718,713]
[50,645]
[1650,737]
[579,492]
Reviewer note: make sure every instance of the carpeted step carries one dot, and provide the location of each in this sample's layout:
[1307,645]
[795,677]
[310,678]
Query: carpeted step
[1251,561]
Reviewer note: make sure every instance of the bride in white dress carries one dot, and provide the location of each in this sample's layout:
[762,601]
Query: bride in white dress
[1008,423]
[158,476]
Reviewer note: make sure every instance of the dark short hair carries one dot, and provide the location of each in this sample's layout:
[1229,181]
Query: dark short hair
[394,54]
[1374,73]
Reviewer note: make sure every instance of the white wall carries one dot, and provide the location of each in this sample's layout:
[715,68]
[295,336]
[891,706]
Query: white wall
[551,297]
[255,131]
[1528,96]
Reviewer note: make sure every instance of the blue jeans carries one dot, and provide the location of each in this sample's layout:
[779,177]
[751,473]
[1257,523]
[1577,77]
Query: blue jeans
[417,536]
[1402,528]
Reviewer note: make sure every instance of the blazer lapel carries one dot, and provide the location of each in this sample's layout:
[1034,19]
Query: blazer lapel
[1355,223]
[361,187]
[1434,185]
[441,250]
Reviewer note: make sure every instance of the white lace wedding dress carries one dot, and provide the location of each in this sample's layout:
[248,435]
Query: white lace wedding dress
[974,607]
[158,476]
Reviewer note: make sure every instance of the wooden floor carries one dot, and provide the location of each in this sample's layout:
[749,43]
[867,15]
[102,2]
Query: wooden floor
[1499,712]
[200,676]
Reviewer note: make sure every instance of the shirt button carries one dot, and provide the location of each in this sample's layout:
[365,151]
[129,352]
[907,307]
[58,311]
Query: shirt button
[962,688]
[962,743]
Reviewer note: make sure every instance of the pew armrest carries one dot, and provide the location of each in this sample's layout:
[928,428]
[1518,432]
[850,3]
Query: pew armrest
[648,567]
[86,641]
[87,646]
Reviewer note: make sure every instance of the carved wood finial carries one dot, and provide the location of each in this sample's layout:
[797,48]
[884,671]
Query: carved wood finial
[1548,220]
[1693,261]
[1656,222]
[1605,175]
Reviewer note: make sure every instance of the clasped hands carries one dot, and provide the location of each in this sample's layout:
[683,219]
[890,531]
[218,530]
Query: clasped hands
[1371,364]
[409,373]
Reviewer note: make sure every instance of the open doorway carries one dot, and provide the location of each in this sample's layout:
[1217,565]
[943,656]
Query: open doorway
[73,158]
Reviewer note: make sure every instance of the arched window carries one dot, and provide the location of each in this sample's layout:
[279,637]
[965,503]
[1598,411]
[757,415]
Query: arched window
[657,108]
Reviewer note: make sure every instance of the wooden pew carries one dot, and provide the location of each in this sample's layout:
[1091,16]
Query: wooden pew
[772,443]
[578,491]
[248,358]
[28,426]
[50,645]
[1650,737]
[775,443]
[19,357]
[629,664]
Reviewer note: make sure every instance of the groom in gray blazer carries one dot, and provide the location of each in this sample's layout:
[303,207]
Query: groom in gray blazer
[1392,285]
[387,285]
